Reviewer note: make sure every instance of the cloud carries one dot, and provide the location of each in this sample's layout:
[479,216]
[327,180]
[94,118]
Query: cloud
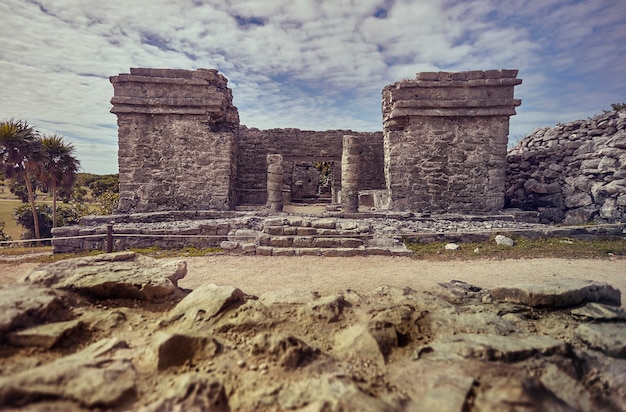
[302,63]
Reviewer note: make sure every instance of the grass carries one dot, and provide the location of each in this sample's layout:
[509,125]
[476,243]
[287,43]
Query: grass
[7,210]
[9,202]
[188,251]
[523,249]
[44,254]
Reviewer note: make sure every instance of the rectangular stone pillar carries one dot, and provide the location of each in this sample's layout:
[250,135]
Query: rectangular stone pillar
[445,140]
[177,134]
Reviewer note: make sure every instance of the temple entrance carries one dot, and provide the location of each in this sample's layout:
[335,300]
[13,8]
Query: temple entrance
[311,182]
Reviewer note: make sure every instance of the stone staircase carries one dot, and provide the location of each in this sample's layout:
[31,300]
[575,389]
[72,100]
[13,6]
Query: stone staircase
[309,236]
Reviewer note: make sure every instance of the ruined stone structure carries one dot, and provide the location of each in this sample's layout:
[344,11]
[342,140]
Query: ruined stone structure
[443,147]
[573,173]
[300,150]
[177,140]
[446,139]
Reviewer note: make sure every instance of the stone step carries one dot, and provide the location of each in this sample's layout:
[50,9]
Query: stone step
[310,231]
[311,242]
[332,252]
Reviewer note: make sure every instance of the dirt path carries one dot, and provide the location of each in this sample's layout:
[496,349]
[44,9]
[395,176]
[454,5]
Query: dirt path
[259,274]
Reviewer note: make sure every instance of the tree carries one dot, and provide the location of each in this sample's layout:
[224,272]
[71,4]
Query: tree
[59,168]
[21,157]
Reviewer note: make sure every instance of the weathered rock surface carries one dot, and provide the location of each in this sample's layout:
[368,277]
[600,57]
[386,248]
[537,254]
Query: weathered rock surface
[90,377]
[560,293]
[192,393]
[27,305]
[491,347]
[598,311]
[608,338]
[45,336]
[457,347]
[206,302]
[122,275]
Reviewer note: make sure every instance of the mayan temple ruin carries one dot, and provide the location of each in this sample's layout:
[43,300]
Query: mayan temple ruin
[192,175]
[443,146]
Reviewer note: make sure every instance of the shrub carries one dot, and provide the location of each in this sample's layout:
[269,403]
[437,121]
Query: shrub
[24,217]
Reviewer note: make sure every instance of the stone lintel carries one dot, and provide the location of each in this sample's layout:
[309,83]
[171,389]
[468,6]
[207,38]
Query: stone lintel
[207,74]
[450,104]
[123,109]
[456,83]
[209,101]
[470,75]
[452,112]
[129,78]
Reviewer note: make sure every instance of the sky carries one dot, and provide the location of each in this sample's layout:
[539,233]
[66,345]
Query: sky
[308,64]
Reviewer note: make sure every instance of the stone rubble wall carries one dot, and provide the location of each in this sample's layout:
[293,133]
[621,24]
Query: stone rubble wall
[445,140]
[297,147]
[573,173]
[177,140]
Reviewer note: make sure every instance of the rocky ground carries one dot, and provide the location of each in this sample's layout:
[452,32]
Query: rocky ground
[126,332]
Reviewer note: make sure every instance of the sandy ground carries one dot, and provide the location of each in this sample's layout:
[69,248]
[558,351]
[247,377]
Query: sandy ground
[258,274]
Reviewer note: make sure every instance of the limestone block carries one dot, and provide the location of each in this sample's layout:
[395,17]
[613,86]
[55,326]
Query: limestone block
[609,338]
[122,275]
[558,293]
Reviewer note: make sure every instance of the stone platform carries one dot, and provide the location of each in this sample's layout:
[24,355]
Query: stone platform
[329,233]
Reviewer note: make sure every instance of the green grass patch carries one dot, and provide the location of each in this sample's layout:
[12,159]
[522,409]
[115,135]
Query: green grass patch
[188,251]
[7,215]
[524,249]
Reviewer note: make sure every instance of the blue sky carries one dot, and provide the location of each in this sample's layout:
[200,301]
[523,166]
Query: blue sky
[310,64]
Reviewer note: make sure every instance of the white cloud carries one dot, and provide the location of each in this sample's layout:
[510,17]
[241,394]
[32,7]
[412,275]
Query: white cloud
[302,63]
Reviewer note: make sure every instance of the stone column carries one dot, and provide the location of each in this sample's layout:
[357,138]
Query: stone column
[350,165]
[275,182]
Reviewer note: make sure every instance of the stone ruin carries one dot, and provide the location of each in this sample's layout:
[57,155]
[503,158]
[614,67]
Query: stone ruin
[191,175]
[574,173]
[443,147]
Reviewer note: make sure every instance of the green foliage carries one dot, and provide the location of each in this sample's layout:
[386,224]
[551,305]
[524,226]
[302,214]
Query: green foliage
[99,184]
[18,188]
[618,106]
[106,203]
[67,216]
[24,217]
[3,236]
[524,248]
[326,171]
[188,251]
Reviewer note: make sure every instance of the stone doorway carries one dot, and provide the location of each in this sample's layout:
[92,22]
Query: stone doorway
[312,181]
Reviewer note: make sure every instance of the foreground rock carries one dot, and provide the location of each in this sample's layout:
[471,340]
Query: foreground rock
[562,293]
[28,305]
[557,346]
[89,377]
[122,275]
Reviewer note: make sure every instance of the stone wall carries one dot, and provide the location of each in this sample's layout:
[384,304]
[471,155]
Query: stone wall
[573,173]
[445,140]
[299,148]
[181,146]
[177,140]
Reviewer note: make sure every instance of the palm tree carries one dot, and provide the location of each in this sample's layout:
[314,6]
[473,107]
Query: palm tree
[21,157]
[59,167]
